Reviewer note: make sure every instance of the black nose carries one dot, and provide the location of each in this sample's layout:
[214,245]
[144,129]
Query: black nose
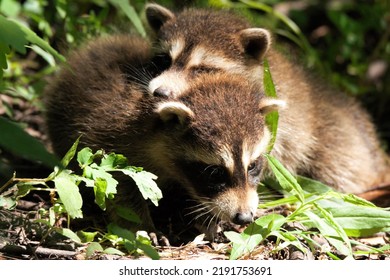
[243,218]
[162,92]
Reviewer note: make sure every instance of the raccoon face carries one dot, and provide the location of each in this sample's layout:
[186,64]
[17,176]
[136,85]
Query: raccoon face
[196,42]
[218,135]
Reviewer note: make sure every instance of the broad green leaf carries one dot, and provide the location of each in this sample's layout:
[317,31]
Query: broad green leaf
[85,157]
[121,232]
[68,233]
[149,251]
[312,186]
[127,214]
[234,237]
[86,236]
[69,194]
[284,177]
[113,161]
[94,172]
[358,220]
[7,202]
[15,140]
[33,38]
[11,34]
[113,251]
[100,190]
[4,49]
[146,184]
[92,248]
[254,234]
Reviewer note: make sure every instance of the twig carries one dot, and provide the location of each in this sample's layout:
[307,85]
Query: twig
[24,250]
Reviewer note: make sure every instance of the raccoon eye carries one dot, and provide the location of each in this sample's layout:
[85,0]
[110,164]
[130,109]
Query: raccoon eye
[254,168]
[215,176]
[162,61]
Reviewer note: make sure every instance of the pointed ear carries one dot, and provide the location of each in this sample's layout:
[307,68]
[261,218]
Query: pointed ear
[256,42]
[157,15]
[174,113]
[268,105]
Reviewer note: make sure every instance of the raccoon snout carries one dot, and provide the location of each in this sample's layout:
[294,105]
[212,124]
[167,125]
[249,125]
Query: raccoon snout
[162,92]
[243,218]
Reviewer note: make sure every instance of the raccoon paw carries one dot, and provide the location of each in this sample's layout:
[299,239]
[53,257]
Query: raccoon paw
[159,239]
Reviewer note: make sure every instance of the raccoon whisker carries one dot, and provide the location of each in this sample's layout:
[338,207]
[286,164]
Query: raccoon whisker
[199,208]
[216,217]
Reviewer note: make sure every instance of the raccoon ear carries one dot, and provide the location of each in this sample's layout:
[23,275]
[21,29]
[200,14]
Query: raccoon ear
[174,112]
[268,105]
[256,42]
[157,15]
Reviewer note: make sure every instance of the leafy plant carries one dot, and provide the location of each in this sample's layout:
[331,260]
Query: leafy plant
[67,200]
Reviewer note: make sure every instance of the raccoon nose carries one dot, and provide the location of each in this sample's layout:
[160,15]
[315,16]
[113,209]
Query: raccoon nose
[243,218]
[162,92]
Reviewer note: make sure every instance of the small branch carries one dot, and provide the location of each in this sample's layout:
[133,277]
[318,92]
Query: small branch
[45,252]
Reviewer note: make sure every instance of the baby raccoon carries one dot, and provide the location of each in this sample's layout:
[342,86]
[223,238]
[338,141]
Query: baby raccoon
[196,42]
[208,141]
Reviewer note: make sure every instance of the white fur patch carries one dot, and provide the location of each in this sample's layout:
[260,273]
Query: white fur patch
[167,110]
[176,82]
[176,49]
[228,159]
[252,152]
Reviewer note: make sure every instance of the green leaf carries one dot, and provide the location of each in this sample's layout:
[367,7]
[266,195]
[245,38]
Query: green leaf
[331,232]
[69,194]
[68,233]
[7,202]
[92,248]
[312,186]
[127,214]
[100,189]
[271,118]
[254,234]
[84,157]
[121,232]
[146,184]
[17,36]
[70,154]
[4,49]
[11,34]
[113,161]
[113,251]
[15,140]
[86,236]
[358,220]
[149,251]
[94,172]
[284,177]
[128,9]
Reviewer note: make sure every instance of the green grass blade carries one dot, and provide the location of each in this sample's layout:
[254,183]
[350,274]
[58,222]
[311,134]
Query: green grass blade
[130,12]
[285,178]
[272,118]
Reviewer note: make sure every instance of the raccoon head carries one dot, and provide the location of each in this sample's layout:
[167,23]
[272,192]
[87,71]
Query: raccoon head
[195,42]
[212,139]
